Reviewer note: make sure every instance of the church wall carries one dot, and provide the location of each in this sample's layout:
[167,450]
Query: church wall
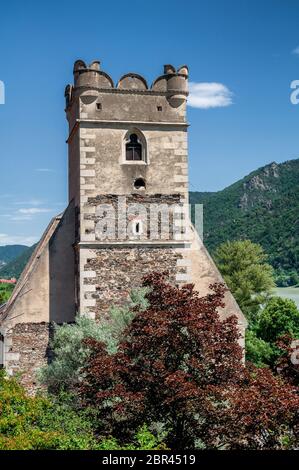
[102,170]
[26,351]
[74,168]
[121,213]
[166,152]
[127,106]
[46,295]
[62,269]
[110,273]
[32,304]
[105,169]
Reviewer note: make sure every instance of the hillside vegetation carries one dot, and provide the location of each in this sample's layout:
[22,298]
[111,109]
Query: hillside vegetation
[15,267]
[262,207]
[5,292]
[10,252]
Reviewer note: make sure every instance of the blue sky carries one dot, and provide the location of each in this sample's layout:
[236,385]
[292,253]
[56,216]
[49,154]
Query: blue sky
[242,58]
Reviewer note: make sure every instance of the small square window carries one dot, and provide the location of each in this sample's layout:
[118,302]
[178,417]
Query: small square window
[99,106]
[159,108]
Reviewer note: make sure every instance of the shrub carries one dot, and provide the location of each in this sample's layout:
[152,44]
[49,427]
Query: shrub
[258,351]
[70,350]
[40,423]
[5,292]
[32,423]
[143,440]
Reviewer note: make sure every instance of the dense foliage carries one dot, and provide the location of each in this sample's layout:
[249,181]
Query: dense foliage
[5,292]
[180,367]
[244,267]
[258,351]
[37,423]
[278,318]
[262,207]
[249,277]
[167,360]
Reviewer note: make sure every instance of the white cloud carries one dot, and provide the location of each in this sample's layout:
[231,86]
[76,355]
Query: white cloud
[17,240]
[44,170]
[26,213]
[296,51]
[209,95]
[34,210]
[30,202]
[20,217]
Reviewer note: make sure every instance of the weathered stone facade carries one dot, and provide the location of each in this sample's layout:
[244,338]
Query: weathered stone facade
[157,213]
[117,270]
[27,351]
[127,213]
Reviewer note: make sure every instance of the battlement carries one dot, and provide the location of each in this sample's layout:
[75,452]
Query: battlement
[87,78]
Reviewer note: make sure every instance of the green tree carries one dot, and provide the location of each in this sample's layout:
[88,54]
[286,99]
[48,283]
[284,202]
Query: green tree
[5,292]
[258,351]
[279,317]
[244,267]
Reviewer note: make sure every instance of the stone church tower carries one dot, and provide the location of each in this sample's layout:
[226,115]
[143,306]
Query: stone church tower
[127,214]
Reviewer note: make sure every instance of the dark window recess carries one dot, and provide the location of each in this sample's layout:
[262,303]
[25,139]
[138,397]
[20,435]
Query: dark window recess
[159,108]
[137,228]
[139,183]
[133,148]
[99,106]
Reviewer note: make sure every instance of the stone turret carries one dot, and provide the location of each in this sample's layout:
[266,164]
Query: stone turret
[177,84]
[90,79]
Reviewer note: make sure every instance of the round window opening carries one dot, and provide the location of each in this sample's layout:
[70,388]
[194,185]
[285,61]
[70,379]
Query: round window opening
[139,183]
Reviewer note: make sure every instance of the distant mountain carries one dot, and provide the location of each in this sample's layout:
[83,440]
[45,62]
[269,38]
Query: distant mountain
[10,252]
[264,207]
[15,267]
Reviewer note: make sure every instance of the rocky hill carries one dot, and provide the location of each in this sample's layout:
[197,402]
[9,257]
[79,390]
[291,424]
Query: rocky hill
[15,267]
[10,252]
[264,207]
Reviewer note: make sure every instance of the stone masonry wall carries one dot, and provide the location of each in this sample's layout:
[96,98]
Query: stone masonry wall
[112,272]
[156,226]
[104,171]
[27,350]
